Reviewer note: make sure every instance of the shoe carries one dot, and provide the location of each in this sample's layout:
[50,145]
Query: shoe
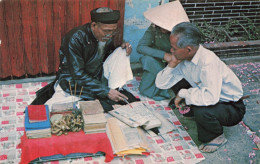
[212,144]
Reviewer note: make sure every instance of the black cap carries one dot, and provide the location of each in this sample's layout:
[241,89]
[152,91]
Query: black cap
[110,17]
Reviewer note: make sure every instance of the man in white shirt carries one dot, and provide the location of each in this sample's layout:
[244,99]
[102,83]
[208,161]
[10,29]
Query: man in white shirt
[215,95]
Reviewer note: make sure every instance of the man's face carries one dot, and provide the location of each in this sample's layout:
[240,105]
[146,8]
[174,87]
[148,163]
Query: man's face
[104,32]
[179,53]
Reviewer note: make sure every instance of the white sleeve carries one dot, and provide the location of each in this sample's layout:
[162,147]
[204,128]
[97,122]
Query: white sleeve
[168,77]
[208,93]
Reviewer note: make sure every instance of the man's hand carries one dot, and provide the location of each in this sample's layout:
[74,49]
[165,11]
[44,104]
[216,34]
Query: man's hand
[177,101]
[128,48]
[173,62]
[116,95]
[167,57]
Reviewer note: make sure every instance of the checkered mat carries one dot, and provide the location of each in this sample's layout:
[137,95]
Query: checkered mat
[178,147]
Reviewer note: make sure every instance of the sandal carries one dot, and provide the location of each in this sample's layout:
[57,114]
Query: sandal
[212,144]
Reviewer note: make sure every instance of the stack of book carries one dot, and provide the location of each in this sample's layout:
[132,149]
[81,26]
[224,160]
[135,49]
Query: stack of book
[37,121]
[93,116]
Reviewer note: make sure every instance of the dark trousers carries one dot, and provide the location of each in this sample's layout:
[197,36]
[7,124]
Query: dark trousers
[211,119]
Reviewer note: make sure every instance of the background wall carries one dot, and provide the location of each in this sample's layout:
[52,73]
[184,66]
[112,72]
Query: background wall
[218,12]
[135,23]
[214,12]
[31,32]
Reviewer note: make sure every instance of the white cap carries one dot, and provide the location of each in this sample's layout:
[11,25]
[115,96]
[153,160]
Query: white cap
[167,15]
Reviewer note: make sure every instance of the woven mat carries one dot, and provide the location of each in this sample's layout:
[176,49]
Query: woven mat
[179,147]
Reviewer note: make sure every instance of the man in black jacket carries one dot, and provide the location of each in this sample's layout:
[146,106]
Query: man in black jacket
[82,53]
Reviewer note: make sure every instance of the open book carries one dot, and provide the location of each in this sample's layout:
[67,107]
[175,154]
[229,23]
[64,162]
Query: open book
[126,140]
[136,114]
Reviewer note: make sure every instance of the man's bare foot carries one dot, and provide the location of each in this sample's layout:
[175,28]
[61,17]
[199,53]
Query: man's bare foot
[213,145]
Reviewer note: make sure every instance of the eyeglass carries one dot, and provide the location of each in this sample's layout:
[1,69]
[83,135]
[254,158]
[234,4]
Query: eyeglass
[109,33]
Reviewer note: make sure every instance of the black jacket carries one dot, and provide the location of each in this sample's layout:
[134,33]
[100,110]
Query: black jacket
[79,64]
[81,67]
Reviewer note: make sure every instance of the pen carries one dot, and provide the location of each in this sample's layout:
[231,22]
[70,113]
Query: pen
[156,131]
[125,100]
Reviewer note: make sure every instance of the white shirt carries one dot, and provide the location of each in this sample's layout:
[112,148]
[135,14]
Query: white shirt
[211,79]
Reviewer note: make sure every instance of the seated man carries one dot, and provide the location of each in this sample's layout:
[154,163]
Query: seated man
[82,53]
[215,95]
[155,47]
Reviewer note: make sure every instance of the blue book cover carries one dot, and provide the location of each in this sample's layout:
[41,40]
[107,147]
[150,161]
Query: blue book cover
[37,125]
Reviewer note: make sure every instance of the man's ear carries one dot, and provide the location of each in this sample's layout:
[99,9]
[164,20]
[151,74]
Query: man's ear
[93,24]
[189,49]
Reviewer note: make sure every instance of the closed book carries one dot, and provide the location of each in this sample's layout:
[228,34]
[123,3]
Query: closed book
[91,107]
[41,133]
[62,107]
[95,131]
[37,125]
[95,126]
[37,113]
[94,118]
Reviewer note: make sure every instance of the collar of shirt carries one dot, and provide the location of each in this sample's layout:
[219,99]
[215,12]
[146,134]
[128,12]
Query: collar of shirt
[196,57]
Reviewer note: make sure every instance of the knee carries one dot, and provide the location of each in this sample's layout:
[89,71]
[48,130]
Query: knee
[151,64]
[202,114]
[147,59]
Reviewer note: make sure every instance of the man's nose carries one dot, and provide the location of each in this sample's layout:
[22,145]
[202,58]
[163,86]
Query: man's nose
[108,35]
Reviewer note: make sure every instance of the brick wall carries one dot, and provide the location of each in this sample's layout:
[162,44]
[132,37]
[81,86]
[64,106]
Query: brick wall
[218,13]
[235,49]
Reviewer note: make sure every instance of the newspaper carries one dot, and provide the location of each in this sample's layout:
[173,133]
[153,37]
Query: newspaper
[136,114]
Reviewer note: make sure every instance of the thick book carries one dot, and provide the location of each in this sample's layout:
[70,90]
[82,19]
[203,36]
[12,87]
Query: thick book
[94,119]
[91,107]
[41,133]
[126,140]
[93,116]
[95,131]
[37,113]
[62,107]
[37,125]
[94,123]
[94,126]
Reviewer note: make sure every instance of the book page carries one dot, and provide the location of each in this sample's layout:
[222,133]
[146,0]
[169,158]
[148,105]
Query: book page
[124,119]
[118,140]
[126,138]
[166,126]
[136,114]
[132,136]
